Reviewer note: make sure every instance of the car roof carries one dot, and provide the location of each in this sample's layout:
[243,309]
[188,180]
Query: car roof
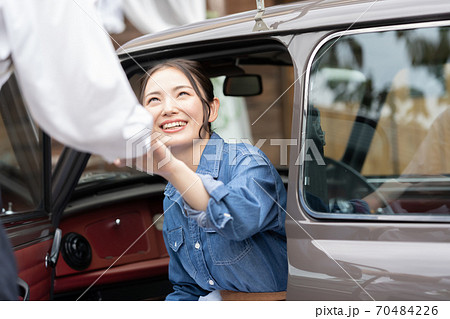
[301,16]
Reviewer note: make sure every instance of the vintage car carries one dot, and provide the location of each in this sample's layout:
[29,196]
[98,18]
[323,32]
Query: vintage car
[349,99]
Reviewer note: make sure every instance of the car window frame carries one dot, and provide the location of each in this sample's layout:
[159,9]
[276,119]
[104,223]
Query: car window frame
[42,158]
[324,216]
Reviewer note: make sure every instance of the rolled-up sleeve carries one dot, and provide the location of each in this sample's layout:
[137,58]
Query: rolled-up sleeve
[250,203]
[210,185]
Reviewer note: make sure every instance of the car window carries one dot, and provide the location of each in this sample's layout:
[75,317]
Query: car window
[21,159]
[377,125]
[263,120]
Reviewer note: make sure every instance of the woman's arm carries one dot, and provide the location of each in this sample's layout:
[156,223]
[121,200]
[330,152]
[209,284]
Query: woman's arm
[189,184]
[254,200]
[159,160]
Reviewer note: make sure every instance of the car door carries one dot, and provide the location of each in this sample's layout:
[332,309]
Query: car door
[369,194]
[25,190]
[31,198]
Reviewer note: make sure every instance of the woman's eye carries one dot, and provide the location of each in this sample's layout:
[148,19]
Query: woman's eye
[152,100]
[183,93]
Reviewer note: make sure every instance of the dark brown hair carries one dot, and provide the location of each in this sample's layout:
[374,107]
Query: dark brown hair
[196,75]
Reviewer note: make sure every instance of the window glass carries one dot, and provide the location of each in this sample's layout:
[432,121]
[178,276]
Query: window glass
[377,133]
[20,156]
[263,120]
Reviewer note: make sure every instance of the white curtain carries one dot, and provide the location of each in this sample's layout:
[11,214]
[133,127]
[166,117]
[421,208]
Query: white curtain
[150,16]
[111,14]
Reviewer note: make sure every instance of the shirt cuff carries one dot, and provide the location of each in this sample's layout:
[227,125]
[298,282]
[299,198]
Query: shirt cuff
[197,215]
[217,190]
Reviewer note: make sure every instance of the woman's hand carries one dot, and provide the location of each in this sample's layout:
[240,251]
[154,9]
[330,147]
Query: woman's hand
[158,160]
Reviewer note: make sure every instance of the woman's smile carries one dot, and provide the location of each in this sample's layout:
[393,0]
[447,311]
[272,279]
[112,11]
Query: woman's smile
[173,126]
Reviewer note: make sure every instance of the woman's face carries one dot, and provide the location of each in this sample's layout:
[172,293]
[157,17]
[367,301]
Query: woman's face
[176,109]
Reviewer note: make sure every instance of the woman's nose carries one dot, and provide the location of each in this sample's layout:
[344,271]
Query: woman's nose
[170,107]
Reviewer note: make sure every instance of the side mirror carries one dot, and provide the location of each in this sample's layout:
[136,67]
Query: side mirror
[242,85]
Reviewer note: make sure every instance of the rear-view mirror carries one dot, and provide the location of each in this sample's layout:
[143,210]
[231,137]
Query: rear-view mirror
[242,85]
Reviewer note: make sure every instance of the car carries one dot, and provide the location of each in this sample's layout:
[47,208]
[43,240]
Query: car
[350,100]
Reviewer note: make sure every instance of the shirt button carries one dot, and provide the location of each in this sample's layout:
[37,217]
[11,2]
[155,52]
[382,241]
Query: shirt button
[211,282]
[197,245]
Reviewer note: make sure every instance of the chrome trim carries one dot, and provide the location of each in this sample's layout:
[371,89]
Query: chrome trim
[26,235]
[329,216]
[425,179]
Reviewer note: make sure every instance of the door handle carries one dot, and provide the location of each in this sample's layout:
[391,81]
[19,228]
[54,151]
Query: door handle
[52,258]
[24,290]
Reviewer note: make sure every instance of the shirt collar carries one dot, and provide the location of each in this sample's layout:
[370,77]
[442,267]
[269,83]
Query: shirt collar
[209,161]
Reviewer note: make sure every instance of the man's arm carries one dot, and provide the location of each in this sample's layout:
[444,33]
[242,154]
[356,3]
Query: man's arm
[71,78]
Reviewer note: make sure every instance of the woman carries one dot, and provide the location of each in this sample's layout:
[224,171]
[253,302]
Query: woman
[224,203]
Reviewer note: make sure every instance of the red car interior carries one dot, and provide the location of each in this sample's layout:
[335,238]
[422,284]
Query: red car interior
[123,237]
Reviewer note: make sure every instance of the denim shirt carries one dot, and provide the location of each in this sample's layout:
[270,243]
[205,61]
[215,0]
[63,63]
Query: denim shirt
[239,242]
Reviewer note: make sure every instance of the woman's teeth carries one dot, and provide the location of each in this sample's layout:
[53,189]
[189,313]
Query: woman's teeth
[173,124]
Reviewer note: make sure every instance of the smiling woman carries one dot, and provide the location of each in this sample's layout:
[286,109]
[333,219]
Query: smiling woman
[217,204]
[182,111]
[183,89]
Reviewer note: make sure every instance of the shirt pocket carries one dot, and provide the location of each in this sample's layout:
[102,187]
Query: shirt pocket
[176,242]
[224,251]
[176,238]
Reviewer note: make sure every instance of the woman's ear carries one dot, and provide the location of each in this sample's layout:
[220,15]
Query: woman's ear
[214,110]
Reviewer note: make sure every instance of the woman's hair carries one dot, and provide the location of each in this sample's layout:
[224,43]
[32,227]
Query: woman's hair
[196,75]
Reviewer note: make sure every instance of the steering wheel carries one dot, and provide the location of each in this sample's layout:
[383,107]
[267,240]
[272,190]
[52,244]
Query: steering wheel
[344,182]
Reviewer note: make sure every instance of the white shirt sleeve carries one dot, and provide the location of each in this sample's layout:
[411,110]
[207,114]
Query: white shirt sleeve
[71,78]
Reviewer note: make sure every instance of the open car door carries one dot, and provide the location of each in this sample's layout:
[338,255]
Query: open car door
[29,204]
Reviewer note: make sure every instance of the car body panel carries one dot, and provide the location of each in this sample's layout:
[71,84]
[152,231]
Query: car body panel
[354,261]
[290,18]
